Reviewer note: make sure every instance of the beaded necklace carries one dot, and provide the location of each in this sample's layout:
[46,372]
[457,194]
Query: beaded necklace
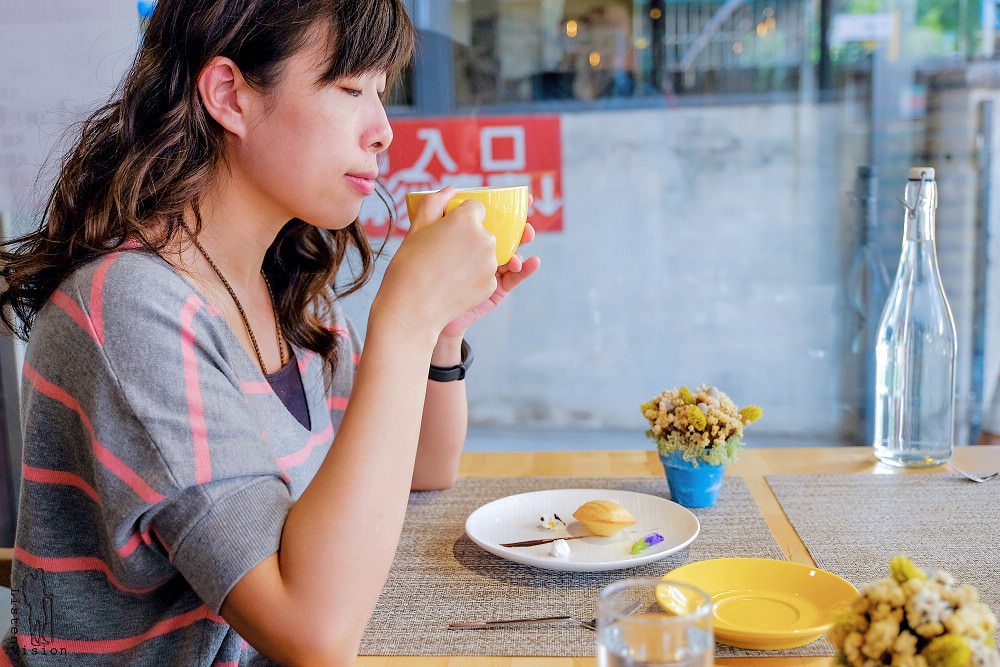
[239,306]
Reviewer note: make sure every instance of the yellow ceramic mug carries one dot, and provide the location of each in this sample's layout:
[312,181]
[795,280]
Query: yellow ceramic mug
[506,213]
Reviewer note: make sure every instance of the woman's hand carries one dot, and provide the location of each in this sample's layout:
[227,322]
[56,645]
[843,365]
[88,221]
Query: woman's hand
[508,276]
[444,267]
[445,418]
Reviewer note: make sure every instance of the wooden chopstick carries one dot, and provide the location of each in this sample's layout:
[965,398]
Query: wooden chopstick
[534,543]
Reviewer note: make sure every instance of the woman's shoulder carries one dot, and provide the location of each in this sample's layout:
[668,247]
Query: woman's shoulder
[127,302]
[125,290]
[128,274]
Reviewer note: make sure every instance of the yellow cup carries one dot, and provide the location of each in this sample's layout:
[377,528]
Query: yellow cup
[506,213]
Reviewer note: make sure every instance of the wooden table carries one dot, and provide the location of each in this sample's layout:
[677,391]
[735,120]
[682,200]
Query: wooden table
[753,465]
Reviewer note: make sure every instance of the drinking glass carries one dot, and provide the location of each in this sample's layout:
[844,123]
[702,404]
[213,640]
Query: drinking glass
[653,622]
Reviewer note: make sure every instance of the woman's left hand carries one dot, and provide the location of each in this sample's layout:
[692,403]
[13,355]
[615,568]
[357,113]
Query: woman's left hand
[509,276]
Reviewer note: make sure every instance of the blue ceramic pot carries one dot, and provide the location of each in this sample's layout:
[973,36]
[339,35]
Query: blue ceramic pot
[692,485]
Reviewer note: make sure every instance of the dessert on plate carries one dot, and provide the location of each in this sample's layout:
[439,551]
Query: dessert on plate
[603,517]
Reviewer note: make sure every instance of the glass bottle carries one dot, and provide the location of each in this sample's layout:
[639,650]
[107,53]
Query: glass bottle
[916,347]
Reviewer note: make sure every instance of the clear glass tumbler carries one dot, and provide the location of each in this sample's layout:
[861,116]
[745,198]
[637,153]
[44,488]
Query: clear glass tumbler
[653,622]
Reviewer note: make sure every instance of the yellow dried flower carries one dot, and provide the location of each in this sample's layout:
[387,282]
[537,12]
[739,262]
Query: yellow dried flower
[905,645]
[944,624]
[880,637]
[696,417]
[704,424]
[844,622]
[948,651]
[751,413]
[903,569]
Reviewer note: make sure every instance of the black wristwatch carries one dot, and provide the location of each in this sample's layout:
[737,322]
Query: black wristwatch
[451,373]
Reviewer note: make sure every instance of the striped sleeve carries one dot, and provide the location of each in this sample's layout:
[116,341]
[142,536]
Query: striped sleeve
[149,485]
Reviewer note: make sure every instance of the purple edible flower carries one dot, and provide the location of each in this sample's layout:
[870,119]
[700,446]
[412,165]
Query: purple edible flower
[648,541]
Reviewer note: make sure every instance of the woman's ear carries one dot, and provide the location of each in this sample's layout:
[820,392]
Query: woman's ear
[222,91]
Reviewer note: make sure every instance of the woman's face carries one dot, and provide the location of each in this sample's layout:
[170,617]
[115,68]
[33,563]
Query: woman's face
[310,151]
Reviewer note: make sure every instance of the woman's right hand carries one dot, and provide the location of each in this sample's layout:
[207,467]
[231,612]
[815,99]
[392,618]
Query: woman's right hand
[444,266]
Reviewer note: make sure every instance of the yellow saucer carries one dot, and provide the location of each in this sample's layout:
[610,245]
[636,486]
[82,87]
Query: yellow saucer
[759,603]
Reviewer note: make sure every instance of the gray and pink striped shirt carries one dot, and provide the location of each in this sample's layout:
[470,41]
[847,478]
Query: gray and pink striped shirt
[158,469]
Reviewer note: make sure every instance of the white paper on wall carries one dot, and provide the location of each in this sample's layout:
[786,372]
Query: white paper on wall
[59,59]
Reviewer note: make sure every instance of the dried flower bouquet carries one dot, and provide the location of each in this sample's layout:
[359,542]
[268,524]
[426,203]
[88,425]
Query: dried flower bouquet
[705,425]
[910,619]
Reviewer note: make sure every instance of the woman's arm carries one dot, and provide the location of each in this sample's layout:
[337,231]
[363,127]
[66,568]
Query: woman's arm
[443,424]
[310,602]
[445,418]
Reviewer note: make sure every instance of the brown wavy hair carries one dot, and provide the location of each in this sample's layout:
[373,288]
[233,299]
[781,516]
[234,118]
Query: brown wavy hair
[147,156]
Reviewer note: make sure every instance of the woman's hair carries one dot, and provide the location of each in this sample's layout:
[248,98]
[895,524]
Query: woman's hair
[147,156]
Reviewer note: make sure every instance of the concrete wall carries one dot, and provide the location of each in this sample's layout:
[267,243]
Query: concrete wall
[699,245]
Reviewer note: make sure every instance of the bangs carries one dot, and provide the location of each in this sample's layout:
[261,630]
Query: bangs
[368,36]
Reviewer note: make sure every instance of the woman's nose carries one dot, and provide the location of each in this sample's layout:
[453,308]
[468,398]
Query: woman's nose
[379,135]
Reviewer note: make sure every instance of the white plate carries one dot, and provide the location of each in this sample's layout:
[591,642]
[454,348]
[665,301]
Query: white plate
[516,519]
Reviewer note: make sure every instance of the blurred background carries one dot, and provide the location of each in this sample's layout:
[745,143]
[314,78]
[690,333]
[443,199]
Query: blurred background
[715,190]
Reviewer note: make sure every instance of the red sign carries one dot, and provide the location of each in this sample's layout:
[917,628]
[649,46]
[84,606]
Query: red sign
[429,154]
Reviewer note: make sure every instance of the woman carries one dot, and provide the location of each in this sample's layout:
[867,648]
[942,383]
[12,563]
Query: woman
[194,473]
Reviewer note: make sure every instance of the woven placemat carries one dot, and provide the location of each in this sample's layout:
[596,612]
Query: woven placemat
[439,575]
[854,524]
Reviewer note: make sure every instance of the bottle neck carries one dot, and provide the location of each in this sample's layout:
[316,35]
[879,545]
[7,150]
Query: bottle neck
[921,203]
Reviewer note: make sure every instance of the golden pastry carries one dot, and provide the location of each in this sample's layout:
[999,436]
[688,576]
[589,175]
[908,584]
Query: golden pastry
[603,517]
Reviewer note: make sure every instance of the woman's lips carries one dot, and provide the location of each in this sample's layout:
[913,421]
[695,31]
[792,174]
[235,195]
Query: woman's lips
[363,184]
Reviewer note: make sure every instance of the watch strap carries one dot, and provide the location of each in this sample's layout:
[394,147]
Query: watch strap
[452,373]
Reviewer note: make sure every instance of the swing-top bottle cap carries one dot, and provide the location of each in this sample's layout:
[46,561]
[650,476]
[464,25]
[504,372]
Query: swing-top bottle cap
[921,174]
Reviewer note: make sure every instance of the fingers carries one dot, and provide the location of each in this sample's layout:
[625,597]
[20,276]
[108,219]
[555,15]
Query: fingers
[508,280]
[528,235]
[515,262]
[471,207]
[447,257]
[432,207]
